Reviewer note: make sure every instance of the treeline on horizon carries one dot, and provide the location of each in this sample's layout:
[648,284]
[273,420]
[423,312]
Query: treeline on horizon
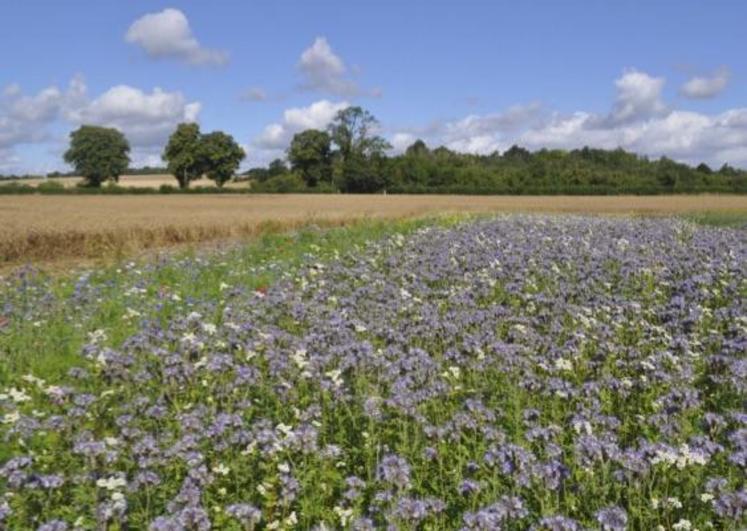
[517,171]
[348,157]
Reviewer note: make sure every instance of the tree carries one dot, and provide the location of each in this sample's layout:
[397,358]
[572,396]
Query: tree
[310,154]
[183,154]
[221,156]
[98,153]
[350,131]
[277,167]
[417,149]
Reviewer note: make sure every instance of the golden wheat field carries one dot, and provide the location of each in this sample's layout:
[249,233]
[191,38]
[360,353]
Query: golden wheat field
[40,228]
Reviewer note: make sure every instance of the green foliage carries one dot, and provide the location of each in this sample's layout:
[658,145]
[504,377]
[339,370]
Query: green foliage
[98,153]
[281,184]
[183,154]
[222,156]
[277,167]
[351,131]
[310,154]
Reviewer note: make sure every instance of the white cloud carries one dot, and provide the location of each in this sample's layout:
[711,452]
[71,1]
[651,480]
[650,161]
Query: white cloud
[639,121]
[25,118]
[322,70]
[315,116]
[401,141]
[638,96]
[167,34]
[274,139]
[145,118]
[706,87]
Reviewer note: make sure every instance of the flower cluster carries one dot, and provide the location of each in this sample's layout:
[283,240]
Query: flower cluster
[523,372]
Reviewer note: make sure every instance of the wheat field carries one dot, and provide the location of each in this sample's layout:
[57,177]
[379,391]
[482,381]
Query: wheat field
[40,228]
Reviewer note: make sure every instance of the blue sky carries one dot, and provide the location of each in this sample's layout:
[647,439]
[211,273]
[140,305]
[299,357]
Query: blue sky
[654,77]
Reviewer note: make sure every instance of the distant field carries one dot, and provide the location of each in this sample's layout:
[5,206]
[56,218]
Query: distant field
[128,181]
[49,228]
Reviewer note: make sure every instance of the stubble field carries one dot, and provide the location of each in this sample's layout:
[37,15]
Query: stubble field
[53,228]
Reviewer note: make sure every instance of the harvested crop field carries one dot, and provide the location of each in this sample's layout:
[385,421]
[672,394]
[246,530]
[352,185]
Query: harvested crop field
[47,228]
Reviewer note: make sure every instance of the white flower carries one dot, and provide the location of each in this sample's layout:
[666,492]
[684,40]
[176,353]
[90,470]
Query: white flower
[345,515]
[284,429]
[563,364]
[674,503]
[299,358]
[706,497]
[221,469]
[682,525]
[209,328]
[97,336]
[360,328]
[30,378]
[11,418]
[111,483]
[284,468]
[453,371]
[223,286]
[18,396]
[334,375]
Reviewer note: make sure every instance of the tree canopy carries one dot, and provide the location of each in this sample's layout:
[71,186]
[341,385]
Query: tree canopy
[98,153]
[310,154]
[222,156]
[183,154]
[191,154]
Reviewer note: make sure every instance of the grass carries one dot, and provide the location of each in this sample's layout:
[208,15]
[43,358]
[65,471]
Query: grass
[36,229]
[719,219]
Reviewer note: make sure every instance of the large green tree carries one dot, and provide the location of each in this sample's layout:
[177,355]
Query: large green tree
[98,153]
[310,154]
[221,156]
[184,154]
[352,132]
[360,154]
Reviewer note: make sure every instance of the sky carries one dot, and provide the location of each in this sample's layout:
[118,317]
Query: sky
[653,77]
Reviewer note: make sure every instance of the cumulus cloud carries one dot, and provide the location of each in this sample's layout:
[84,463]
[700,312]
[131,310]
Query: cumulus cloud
[275,137]
[706,86]
[322,70]
[146,118]
[638,120]
[638,96]
[315,116]
[167,34]
[24,118]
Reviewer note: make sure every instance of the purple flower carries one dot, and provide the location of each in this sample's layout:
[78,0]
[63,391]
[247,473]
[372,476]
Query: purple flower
[395,470]
[612,519]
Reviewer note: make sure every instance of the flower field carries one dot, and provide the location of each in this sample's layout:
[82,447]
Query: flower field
[519,372]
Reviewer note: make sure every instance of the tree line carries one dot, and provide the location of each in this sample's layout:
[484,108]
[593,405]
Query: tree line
[349,157]
[99,154]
